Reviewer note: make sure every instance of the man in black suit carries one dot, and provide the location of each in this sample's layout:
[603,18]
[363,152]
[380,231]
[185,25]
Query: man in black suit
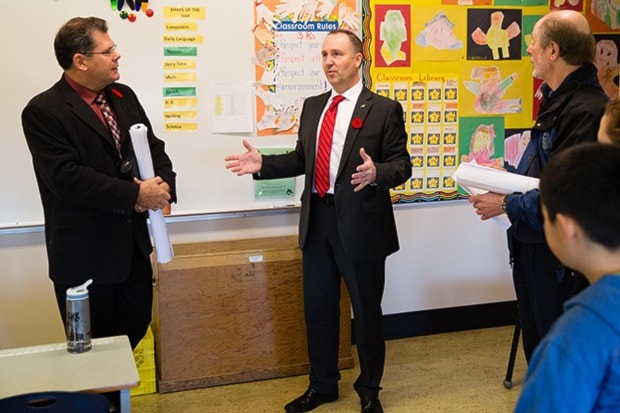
[350,230]
[94,205]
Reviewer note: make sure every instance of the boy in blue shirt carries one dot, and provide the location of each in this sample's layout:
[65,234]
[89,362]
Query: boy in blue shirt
[576,368]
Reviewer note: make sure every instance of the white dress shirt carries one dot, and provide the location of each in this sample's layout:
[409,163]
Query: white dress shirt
[341,127]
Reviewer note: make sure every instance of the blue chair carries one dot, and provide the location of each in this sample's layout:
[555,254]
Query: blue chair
[55,402]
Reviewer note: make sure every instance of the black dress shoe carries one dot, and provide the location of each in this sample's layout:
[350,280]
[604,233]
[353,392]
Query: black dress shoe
[371,405]
[310,400]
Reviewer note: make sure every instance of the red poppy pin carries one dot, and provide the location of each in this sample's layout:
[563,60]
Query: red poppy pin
[357,123]
[117,93]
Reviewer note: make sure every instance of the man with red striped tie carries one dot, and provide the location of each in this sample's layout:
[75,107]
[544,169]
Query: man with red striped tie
[352,148]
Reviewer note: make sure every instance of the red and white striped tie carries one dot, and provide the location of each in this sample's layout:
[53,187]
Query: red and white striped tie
[326,134]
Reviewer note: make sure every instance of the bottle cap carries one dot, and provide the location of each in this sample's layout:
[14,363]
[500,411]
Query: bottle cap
[79,291]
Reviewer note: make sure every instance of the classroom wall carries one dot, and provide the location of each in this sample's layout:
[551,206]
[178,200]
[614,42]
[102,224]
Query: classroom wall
[448,258]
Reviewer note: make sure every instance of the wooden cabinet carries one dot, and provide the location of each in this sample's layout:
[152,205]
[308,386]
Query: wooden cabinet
[232,311]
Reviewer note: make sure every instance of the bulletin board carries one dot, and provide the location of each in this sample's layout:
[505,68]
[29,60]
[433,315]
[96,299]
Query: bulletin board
[207,75]
[462,74]
[210,74]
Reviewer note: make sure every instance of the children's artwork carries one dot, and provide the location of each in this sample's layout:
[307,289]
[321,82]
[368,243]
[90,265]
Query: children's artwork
[393,32]
[607,11]
[607,63]
[482,140]
[482,148]
[521,3]
[515,144]
[439,34]
[393,24]
[603,15]
[536,85]
[528,24]
[495,34]
[489,89]
[576,5]
[468,2]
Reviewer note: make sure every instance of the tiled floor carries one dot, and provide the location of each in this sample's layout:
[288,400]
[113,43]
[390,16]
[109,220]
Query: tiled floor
[455,372]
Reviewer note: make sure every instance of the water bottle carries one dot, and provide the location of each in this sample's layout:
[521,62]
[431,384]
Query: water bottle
[78,319]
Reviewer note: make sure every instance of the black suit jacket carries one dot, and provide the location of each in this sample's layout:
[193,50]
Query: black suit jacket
[365,219]
[90,224]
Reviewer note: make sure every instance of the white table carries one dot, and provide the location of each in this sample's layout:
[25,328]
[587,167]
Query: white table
[109,366]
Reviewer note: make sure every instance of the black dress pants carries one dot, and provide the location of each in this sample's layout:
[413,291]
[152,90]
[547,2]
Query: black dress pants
[541,288]
[324,263]
[119,309]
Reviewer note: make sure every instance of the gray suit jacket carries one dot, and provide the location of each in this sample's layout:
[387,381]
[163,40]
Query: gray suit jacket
[365,219]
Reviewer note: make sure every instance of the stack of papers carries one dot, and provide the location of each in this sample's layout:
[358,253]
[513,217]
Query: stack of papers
[476,179]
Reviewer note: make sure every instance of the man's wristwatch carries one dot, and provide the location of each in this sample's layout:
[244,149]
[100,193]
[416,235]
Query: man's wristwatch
[504,204]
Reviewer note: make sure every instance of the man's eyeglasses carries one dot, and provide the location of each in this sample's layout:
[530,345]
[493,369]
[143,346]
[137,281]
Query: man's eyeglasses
[107,52]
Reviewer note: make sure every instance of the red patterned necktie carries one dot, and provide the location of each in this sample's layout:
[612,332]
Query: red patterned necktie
[321,172]
[106,110]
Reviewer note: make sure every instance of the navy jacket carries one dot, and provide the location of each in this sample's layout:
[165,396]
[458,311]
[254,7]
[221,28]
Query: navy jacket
[568,116]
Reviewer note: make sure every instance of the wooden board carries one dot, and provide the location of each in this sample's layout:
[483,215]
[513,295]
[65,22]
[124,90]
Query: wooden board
[232,311]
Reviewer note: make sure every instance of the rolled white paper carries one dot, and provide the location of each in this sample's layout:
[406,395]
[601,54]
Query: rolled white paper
[139,139]
[471,175]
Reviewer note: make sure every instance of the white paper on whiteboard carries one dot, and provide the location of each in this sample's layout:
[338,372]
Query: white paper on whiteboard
[232,107]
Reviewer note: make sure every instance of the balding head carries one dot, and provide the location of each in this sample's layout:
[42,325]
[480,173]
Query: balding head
[575,18]
[570,31]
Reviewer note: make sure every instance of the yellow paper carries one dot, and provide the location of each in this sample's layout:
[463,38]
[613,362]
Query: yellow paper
[180,77]
[181,127]
[172,102]
[181,12]
[179,64]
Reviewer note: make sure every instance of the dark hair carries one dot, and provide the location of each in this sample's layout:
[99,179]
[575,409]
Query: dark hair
[576,47]
[612,110]
[583,182]
[356,42]
[75,36]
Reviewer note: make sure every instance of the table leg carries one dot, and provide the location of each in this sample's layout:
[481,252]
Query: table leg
[125,400]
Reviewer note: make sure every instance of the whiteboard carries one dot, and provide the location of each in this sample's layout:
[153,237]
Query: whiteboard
[29,67]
